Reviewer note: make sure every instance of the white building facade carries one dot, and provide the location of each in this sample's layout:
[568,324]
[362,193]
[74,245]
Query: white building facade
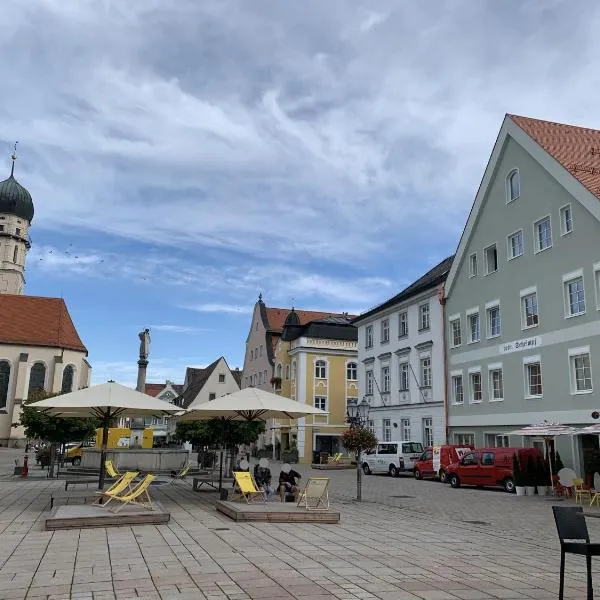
[401,362]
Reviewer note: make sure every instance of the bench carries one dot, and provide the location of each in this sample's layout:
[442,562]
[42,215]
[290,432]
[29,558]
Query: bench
[76,480]
[198,482]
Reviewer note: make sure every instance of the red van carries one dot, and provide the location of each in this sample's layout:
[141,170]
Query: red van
[489,467]
[435,460]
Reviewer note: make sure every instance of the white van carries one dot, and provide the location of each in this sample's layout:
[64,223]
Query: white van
[392,458]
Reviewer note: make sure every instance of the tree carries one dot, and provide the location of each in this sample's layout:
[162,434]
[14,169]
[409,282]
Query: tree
[359,439]
[517,475]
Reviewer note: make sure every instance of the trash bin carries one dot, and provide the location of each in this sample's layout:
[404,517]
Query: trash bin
[316,457]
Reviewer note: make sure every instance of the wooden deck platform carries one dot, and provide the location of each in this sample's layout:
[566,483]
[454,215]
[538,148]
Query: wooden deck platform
[275,512]
[78,516]
[333,466]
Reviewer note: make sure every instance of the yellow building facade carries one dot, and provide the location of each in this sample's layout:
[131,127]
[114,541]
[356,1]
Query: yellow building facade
[316,364]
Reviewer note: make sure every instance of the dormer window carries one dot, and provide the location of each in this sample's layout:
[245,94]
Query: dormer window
[513,186]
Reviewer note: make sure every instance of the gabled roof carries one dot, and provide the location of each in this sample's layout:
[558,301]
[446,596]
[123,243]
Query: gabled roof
[431,279]
[570,154]
[154,389]
[199,380]
[277,316]
[37,321]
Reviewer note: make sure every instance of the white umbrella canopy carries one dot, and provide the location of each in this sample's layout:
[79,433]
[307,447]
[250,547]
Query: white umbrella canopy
[106,401]
[250,404]
[590,430]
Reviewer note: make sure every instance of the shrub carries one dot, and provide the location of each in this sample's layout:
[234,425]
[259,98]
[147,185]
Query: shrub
[530,473]
[517,475]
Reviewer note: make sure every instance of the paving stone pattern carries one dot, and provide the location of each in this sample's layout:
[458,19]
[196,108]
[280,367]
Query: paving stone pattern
[429,542]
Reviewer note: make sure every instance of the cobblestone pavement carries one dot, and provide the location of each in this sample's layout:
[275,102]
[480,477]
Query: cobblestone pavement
[408,540]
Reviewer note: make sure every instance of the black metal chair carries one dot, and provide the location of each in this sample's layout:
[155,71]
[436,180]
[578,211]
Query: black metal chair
[572,528]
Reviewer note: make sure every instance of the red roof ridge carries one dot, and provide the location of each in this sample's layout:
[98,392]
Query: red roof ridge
[276,316]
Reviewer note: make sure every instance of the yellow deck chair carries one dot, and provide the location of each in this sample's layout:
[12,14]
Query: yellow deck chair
[182,474]
[315,495]
[335,458]
[595,493]
[581,492]
[118,487]
[138,495]
[110,469]
[246,488]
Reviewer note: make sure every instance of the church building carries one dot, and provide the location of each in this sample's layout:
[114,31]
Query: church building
[40,348]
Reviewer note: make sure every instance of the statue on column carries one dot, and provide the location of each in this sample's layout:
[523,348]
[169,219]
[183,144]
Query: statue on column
[144,344]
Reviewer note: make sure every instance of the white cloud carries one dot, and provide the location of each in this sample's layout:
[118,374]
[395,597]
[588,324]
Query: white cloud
[176,329]
[219,308]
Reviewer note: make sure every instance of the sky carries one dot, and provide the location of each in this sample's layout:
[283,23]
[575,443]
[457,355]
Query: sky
[184,156]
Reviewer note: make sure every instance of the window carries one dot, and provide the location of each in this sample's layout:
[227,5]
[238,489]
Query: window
[4,379]
[369,336]
[529,307]
[265,376]
[17,231]
[405,429]
[457,389]
[37,377]
[321,369]
[455,333]
[15,255]
[255,378]
[67,380]
[543,234]
[473,265]
[515,245]
[497,440]
[385,331]
[404,379]
[533,379]
[464,439]
[581,373]
[287,371]
[369,380]
[426,372]
[385,378]
[294,370]
[490,255]
[278,370]
[473,327]
[1,227]
[261,350]
[496,384]
[476,395]
[221,377]
[574,297]
[566,220]
[351,401]
[351,371]
[321,402]
[493,321]
[251,354]
[212,396]
[513,186]
[260,378]
[424,317]
[387,430]
[371,426]
[427,431]
[403,324]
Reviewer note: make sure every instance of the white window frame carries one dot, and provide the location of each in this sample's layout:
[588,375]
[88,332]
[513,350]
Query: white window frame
[597,284]
[320,368]
[426,381]
[486,263]
[523,295]
[368,336]
[527,361]
[454,319]
[369,382]
[567,281]
[495,368]
[496,435]
[404,371]
[427,426]
[536,239]
[387,430]
[385,330]
[459,438]
[453,375]
[509,247]
[424,316]
[473,272]
[475,371]
[575,353]
[352,371]
[386,380]
[509,197]
[403,323]
[317,405]
[404,429]
[489,307]
[470,313]
[563,230]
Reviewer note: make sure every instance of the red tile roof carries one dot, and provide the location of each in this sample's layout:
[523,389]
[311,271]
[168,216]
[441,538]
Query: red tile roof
[577,149]
[277,316]
[154,389]
[37,321]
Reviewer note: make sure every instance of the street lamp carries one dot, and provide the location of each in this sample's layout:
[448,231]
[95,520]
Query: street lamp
[357,416]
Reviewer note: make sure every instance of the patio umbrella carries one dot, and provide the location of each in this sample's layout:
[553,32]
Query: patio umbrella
[249,404]
[590,430]
[106,402]
[547,431]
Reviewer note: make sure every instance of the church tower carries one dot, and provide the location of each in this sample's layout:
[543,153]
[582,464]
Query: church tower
[16,214]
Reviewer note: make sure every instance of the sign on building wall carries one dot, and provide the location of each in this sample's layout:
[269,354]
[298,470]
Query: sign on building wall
[520,345]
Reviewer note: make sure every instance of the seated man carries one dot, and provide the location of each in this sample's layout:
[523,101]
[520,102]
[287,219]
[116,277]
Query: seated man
[262,476]
[287,482]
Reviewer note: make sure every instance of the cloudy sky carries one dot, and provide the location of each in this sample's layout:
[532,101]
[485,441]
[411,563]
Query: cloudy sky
[185,155]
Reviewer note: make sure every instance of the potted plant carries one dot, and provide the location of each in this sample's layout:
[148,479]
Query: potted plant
[518,476]
[529,478]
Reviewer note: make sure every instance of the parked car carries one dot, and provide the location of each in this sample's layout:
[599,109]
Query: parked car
[489,467]
[392,458]
[435,460]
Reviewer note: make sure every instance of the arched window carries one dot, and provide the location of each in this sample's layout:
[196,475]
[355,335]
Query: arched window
[321,369]
[294,369]
[260,378]
[4,379]
[287,371]
[513,186]
[37,377]
[278,371]
[67,379]
[255,378]
[351,371]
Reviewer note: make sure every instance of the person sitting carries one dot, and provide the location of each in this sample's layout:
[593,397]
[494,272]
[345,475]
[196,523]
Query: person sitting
[262,477]
[287,482]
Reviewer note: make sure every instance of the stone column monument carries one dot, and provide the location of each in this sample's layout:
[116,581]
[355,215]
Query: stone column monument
[143,361]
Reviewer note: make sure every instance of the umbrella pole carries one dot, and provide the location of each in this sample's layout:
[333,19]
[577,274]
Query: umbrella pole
[220,469]
[105,425]
[549,455]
